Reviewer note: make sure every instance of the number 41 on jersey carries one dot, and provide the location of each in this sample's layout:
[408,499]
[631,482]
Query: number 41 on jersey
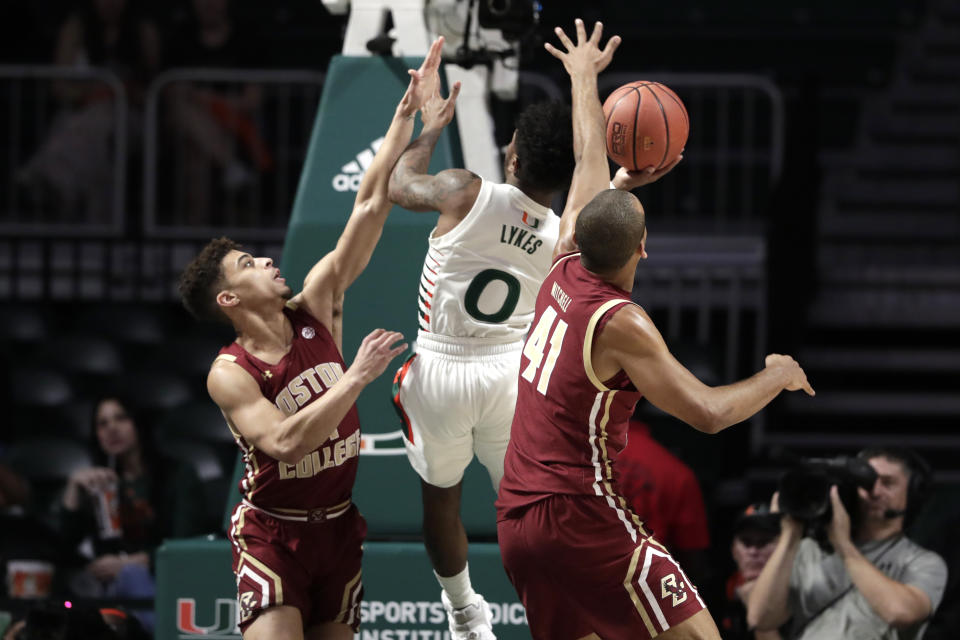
[543,334]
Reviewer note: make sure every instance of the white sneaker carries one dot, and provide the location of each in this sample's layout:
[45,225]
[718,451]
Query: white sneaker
[471,622]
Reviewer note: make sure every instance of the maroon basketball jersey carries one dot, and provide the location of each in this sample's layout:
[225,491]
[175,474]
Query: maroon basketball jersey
[569,426]
[325,476]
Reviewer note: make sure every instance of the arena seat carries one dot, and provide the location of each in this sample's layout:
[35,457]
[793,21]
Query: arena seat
[189,355]
[22,324]
[155,391]
[75,419]
[47,459]
[83,355]
[46,463]
[200,420]
[93,362]
[201,456]
[40,387]
[128,324]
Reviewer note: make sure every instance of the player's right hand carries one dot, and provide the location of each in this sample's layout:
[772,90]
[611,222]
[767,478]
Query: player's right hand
[93,478]
[796,378]
[375,353]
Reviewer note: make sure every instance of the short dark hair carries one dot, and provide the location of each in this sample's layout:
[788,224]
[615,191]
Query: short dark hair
[203,278]
[545,146]
[919,473]
[608,231]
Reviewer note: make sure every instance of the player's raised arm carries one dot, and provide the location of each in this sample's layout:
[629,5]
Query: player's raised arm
[330,277]
[289,438]
[631,342]
[451,192]
[583,62]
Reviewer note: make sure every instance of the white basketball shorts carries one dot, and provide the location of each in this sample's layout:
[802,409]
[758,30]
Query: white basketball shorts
[456,398]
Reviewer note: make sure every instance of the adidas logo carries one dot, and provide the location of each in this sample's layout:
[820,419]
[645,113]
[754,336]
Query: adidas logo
[352,173]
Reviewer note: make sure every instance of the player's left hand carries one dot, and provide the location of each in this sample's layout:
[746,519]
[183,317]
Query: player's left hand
[839,530]
[437,112]
[423,81]
[107,567]
[628,180]
[585,56]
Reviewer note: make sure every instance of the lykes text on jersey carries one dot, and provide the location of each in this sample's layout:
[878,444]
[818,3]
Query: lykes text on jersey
[523,238]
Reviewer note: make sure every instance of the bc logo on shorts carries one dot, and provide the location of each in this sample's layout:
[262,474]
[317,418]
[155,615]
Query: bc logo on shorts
[247,602]
[670,587]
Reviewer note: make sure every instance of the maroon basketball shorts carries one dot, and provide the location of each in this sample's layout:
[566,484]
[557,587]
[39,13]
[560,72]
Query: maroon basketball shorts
[313,566]
[583,566]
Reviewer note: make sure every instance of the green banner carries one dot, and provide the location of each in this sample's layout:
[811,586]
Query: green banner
[196,593]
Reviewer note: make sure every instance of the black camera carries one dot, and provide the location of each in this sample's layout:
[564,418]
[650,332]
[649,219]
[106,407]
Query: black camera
[805,492]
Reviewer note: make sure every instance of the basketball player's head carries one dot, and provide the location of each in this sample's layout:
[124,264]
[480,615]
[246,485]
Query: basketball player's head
[223,278]
[540,155]
[610,231]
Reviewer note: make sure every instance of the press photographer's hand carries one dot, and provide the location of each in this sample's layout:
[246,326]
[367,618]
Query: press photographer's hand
[839,530]
[788,524]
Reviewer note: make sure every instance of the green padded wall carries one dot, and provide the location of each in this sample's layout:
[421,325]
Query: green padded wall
[359,98]
[196,594]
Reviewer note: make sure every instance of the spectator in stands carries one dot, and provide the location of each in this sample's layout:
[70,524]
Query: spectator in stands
[126,505]
[664,492]
[876,584]
[216,123]
[754,538]
[72,169]
[14,490]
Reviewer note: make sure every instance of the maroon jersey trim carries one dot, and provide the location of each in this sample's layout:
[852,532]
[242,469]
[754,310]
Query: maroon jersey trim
[560,258]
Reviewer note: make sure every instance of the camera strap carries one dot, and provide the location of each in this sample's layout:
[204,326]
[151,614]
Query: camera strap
[837,598]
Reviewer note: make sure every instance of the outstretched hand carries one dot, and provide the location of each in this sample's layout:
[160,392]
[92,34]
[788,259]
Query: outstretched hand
[796,378]
[375,353]
[437,111]
[424,82]
[585,56]
[628,180]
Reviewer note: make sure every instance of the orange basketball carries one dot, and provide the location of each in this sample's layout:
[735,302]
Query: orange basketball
[647,124]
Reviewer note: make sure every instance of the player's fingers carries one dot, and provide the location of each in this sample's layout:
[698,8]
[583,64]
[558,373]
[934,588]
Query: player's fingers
[564,39]
[373,335]
[608,50]
[597,32]
[388,338]
[808,388]
[552,50]
[398,350]
[454,93]
[834,495]
[581,31]
[436,52]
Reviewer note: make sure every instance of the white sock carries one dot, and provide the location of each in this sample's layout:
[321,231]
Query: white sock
[458,588]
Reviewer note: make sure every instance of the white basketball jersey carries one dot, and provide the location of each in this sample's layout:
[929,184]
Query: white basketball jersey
[480,280]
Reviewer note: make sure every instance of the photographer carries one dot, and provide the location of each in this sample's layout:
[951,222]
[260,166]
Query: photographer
[876,583]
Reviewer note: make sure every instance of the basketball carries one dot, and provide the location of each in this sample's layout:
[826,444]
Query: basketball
[647,125]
